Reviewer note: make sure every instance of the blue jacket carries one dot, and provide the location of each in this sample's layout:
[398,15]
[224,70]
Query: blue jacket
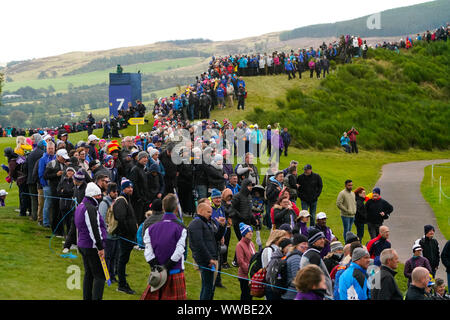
[234,190]
[42,164]
[242,62]
[344,140]
[241,82]
[220,93]
[288,66]
[353,284]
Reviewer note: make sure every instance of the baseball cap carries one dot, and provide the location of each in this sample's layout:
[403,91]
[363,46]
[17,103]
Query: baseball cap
[307,167]
[3,193]
[63,153]
[92,137]
[304,213]
[321,215]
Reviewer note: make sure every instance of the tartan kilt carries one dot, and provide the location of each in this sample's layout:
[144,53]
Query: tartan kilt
[173,289]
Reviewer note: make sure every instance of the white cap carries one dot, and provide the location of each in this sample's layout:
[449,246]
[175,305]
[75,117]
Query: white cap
[304,213]
[3,193]
[63,153]
[321,215]
[47,137]
[92,137]
[92,190]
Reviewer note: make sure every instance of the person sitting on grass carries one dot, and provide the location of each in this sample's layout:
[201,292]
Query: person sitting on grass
[345,143]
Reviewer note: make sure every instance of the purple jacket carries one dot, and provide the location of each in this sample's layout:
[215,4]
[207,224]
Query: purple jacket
[228,169]
[329,235]
[90,225]
[166,240]
[308,296]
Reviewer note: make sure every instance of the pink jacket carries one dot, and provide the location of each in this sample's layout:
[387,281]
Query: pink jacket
[245,249]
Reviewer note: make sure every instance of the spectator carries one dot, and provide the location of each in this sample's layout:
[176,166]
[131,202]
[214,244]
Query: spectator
[301,225]
[92,144]
[91,242]
[290,182]
[439,292]
[299,246]
[321,225]
[335,255]
[347,204]
[154,215]
[445,257]
[430,248]
[165,245]
[283,213]
[273,189]
[378,210]
[203,236]
[352,136]
[417,260]
[310,282]
[32,161]
[419,281]
[112,240]
[170,177]
[353,282]
[139,197]
[388,288]
[309,190]
[248,170]
[344,143]
[126,229]
[65,190]
[361,213]
[245,249]
[378,244]
[233,183]
[3,195]
[316,242]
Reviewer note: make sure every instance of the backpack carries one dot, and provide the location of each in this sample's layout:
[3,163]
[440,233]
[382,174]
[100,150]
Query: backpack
[255,263]
[277,273]
[257,287]
[111,222]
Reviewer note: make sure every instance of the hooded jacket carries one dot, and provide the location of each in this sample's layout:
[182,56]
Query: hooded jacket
[242,205]
[90,225]
[374,207]
[310,187]
[430,250]
[124,214]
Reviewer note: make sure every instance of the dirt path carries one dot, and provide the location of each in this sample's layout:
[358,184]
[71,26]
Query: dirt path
[400,186]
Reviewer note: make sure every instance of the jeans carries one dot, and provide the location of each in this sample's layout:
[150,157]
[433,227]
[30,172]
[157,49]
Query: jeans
[373,230]
[125,248]
[312,207]
[202,191]
[207,292]
[32,189]
[354,146]
[112,256]
[347,222]
[359,230]
[47,205]
[94,278]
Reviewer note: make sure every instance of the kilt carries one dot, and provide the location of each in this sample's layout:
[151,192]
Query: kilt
[173,289]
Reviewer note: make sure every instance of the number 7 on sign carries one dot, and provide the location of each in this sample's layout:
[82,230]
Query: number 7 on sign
[121,100]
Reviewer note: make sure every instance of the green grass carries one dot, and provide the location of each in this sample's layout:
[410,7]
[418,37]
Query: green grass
[430,191]
[61,83]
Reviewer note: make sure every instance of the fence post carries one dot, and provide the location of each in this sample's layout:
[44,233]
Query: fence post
[432,174]
[440,189]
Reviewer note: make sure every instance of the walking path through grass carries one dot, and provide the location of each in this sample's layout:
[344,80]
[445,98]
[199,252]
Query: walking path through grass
[400,185]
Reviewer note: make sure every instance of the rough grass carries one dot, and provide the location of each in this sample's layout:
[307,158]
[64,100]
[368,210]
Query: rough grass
[430,191]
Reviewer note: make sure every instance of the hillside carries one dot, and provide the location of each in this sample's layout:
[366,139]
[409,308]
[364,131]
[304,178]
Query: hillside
[396,102]
[395,22]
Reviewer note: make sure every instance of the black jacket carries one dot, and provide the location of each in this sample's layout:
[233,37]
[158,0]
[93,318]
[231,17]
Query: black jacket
[282,215]
[215,177]
[32,159]
[388,287]
[374,207]
[50,173]
[124,214]
[140,184]
[272,192]
[169,167]
[154,218]
[415,293]
[361,213]
[445,256]
[310,187]
[78,192]
[200,176]
[155,185]
[242,205]
[65,190]
[203,236]
[430,251]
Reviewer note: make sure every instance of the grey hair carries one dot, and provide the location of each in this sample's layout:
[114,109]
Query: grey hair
[386,255]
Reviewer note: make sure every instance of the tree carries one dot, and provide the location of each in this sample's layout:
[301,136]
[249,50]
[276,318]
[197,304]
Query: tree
[18,118]
[1,82]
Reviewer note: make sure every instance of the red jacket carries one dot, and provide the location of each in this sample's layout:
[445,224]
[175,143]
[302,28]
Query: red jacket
[370,243]
[352,135]
[245,249]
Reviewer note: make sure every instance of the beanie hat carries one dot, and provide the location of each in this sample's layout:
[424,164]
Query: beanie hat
[244,228]
[284,243]
[428,228]
[376,190]
[216,194]
[336,245]
[70,169]
[92,190]
[125,183]
[359,253]
[153,151]
[113,146]
[299,238]
[79,175]
[142,154]
[350,237]
[314,235]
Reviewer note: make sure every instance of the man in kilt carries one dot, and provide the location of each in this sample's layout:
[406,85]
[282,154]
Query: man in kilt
[165,245]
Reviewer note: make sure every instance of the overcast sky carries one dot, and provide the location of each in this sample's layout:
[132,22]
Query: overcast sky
[40,28]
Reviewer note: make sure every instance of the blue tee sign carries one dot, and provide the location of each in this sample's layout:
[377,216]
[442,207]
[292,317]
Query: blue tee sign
[119,96]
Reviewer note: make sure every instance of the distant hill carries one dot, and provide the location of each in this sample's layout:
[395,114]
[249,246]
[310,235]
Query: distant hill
[394,22]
